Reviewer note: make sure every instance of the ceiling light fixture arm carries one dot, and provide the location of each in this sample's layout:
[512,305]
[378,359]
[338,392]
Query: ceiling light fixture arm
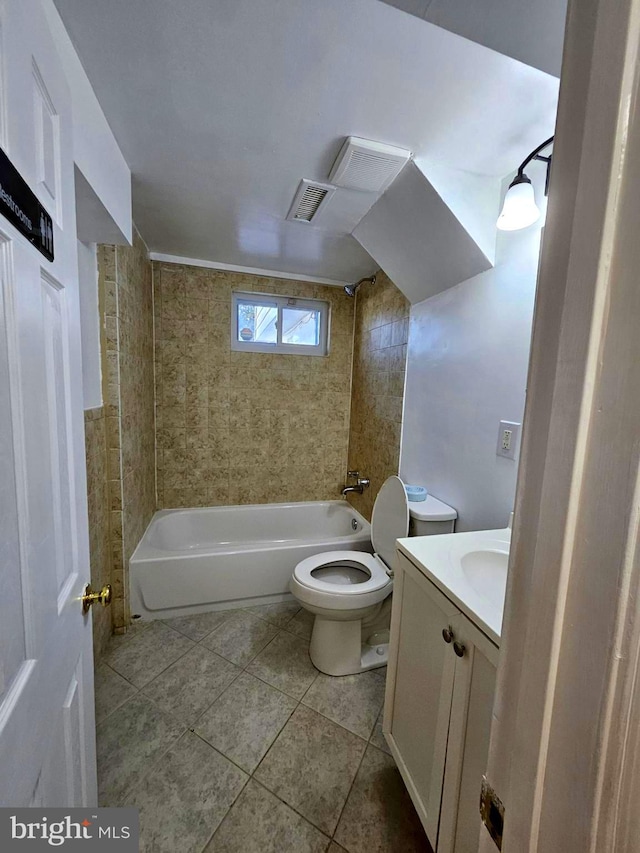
[535,155]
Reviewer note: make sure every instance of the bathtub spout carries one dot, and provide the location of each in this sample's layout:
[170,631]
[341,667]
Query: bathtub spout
[361,485]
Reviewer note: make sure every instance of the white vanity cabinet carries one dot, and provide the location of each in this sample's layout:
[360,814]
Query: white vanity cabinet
[438,706]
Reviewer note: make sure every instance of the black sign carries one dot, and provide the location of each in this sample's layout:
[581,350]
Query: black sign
[22,208]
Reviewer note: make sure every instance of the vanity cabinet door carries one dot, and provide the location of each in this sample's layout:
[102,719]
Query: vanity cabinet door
[468,743]
[419,689]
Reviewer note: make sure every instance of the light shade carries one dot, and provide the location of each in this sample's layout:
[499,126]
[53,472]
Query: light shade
[519,209]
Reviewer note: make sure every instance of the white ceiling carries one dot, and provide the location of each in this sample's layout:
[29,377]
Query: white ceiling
[220,108]
[529,30]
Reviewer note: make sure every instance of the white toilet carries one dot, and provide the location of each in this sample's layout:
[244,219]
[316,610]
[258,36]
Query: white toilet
[349,591]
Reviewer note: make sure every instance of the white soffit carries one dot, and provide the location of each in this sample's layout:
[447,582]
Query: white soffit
[418,241]
[106,174]
[473,199]
[94,223]
[220,109]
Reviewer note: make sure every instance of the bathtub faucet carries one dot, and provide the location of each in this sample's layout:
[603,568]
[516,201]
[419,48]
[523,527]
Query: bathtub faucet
[361,484]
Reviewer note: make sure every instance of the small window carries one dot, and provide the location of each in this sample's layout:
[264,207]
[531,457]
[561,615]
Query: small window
[261,322]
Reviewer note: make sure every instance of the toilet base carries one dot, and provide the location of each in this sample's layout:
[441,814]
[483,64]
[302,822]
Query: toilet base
[339,648]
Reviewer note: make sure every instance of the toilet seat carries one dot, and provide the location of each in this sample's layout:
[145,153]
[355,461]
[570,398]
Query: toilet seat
[369,563]
[389,522]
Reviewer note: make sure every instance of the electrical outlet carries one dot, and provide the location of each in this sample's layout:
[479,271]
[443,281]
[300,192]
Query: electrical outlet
[508,435]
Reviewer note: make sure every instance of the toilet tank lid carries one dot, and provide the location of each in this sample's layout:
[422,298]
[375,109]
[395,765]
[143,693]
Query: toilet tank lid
[432,510]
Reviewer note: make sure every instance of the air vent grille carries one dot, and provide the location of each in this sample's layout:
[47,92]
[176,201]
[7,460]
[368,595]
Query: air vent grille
[309,203]
[364,169]
[310,197]
[366,165]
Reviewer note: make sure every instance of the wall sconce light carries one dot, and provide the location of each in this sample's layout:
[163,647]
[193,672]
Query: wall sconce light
[520,209]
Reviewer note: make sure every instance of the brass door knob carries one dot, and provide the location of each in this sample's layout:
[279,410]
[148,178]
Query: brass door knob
[90,597]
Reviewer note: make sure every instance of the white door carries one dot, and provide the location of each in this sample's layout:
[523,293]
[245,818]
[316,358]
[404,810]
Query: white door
[419,689]
[47,748]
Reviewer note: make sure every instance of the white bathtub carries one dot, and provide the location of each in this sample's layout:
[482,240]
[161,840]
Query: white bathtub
[194,560]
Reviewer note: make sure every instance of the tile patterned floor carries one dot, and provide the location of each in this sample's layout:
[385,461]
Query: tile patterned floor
[220,730]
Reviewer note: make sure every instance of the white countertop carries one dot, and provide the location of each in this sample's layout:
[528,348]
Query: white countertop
[469,568]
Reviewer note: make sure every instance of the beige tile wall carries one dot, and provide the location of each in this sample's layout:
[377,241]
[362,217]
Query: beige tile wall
[380,354]
[237,428]
[126,286]
[231,428]
[98,502]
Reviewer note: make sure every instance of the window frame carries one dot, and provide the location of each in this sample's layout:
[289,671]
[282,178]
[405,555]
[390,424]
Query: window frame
[280,302]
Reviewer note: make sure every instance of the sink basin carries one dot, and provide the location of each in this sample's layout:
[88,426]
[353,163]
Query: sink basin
[470,568]
[486,571]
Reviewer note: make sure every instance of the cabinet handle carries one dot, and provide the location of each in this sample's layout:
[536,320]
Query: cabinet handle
[447,634]
[459,649]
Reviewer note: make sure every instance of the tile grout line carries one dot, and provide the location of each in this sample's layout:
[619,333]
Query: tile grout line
[123,677]
[235,678]
[250,778]
[152,765]
[255,769]
[263,785]
[290,805]
[366,742]
[191,726]
[280,800]
[140,690]
[200,642]
[187,727]
[346,799]
[242,669]
[117,708]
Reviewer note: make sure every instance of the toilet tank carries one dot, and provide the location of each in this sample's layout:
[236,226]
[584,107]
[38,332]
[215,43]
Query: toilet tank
[431,516]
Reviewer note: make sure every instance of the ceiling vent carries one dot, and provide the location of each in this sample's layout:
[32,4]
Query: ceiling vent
[309,200]
[366,165]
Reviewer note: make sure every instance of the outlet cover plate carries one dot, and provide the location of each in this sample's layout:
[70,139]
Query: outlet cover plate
[508,436]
